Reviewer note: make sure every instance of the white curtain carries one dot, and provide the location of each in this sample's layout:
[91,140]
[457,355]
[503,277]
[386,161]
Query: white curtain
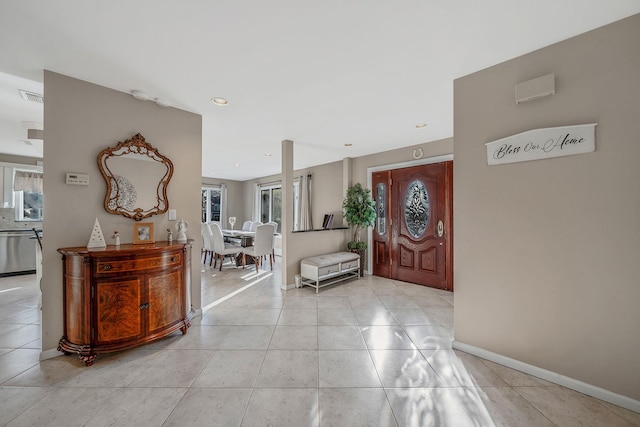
[304,204]
[27,181]
[223,203]
[256,203]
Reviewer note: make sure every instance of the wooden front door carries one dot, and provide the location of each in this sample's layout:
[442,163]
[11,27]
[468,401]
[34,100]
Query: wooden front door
[412,238]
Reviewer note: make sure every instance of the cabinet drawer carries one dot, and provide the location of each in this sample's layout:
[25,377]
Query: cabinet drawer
[115,266]
[330,269]
[350,265]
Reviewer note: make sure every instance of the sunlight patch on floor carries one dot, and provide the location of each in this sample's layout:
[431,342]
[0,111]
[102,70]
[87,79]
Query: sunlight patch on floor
[260,277]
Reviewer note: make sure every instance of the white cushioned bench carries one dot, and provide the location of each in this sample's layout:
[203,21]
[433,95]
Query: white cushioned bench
[324,270]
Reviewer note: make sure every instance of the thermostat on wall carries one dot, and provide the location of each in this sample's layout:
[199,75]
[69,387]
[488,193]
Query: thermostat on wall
[77,178]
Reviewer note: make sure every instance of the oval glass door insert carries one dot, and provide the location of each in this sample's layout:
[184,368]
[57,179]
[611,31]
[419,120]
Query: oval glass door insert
[417,209]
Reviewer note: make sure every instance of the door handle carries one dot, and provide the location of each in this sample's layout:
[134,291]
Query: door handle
[440,228]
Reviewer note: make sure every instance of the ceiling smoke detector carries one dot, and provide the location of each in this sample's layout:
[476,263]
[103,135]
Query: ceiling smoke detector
[31,96]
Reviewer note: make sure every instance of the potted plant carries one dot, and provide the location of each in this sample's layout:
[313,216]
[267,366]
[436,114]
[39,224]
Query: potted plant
[359,212]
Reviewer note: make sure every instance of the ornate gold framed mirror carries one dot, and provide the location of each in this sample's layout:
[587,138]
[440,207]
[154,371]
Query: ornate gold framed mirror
[137,177]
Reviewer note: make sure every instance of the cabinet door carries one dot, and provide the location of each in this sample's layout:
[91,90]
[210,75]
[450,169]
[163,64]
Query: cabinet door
[166,300]
[118,310]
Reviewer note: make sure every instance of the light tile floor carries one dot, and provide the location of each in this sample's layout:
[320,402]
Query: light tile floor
[369,352]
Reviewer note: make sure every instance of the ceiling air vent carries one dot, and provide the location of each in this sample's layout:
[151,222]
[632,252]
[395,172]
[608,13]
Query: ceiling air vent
[32,96]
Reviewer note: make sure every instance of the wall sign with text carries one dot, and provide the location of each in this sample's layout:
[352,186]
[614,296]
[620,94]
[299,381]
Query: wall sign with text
[544,143]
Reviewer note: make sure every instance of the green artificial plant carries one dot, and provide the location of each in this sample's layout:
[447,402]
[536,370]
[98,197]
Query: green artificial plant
[360,212]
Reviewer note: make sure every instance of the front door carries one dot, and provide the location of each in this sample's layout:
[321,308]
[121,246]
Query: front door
[412,238]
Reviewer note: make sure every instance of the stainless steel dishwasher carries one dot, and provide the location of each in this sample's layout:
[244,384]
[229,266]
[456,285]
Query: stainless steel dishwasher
[17,252]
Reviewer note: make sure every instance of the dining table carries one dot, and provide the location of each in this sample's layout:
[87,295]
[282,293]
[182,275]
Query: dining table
[244,237]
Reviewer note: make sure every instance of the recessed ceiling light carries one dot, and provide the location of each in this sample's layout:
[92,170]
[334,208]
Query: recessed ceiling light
[348,145]
[138,94]
[267,154]
[220,101]
[163,103]
[421,125]
[237,164]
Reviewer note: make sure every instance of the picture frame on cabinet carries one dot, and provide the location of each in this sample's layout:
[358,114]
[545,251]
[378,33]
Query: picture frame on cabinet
[143,232]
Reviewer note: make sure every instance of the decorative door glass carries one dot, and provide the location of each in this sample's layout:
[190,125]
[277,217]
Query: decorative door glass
[381,208]
[417,209]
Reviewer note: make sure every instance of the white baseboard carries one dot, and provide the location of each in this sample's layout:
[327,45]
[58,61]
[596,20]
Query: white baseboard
[554,377]
[50,354]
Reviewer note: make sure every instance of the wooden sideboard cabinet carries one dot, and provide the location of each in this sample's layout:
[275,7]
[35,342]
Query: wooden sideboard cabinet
[120,297]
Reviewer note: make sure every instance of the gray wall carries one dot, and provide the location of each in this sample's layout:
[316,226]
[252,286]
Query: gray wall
[82,119]
[400,155]
[546,252]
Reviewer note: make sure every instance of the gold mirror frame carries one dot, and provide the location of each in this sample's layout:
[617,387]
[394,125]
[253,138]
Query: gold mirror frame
[117,192]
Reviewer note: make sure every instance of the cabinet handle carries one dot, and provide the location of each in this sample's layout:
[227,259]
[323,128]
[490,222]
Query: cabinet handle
[107,267]
[143,306]
[174,259]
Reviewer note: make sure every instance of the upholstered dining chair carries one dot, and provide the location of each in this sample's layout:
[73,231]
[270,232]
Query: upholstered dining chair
[273,248]
[207,242]
[220,248]
[246,226]
[262,246]
[254,225]
[275,226]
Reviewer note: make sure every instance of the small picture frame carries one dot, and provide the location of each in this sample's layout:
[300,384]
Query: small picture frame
[143,233]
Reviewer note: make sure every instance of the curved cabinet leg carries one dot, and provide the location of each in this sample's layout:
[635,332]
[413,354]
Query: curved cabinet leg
[87,359]
[185,326]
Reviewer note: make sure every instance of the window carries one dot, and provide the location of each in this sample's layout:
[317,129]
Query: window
[271,204]
[27,194]
[211,204]
[28,205]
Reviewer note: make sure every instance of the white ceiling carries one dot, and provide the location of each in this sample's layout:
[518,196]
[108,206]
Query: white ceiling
[320,73]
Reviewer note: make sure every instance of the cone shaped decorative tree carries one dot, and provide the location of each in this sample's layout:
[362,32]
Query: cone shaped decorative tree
[360,212]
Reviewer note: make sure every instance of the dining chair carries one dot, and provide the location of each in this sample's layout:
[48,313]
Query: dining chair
[275,231]
[246,226]
[262,245]
[254,226]
[275,226]
[207,241]
[220,248]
